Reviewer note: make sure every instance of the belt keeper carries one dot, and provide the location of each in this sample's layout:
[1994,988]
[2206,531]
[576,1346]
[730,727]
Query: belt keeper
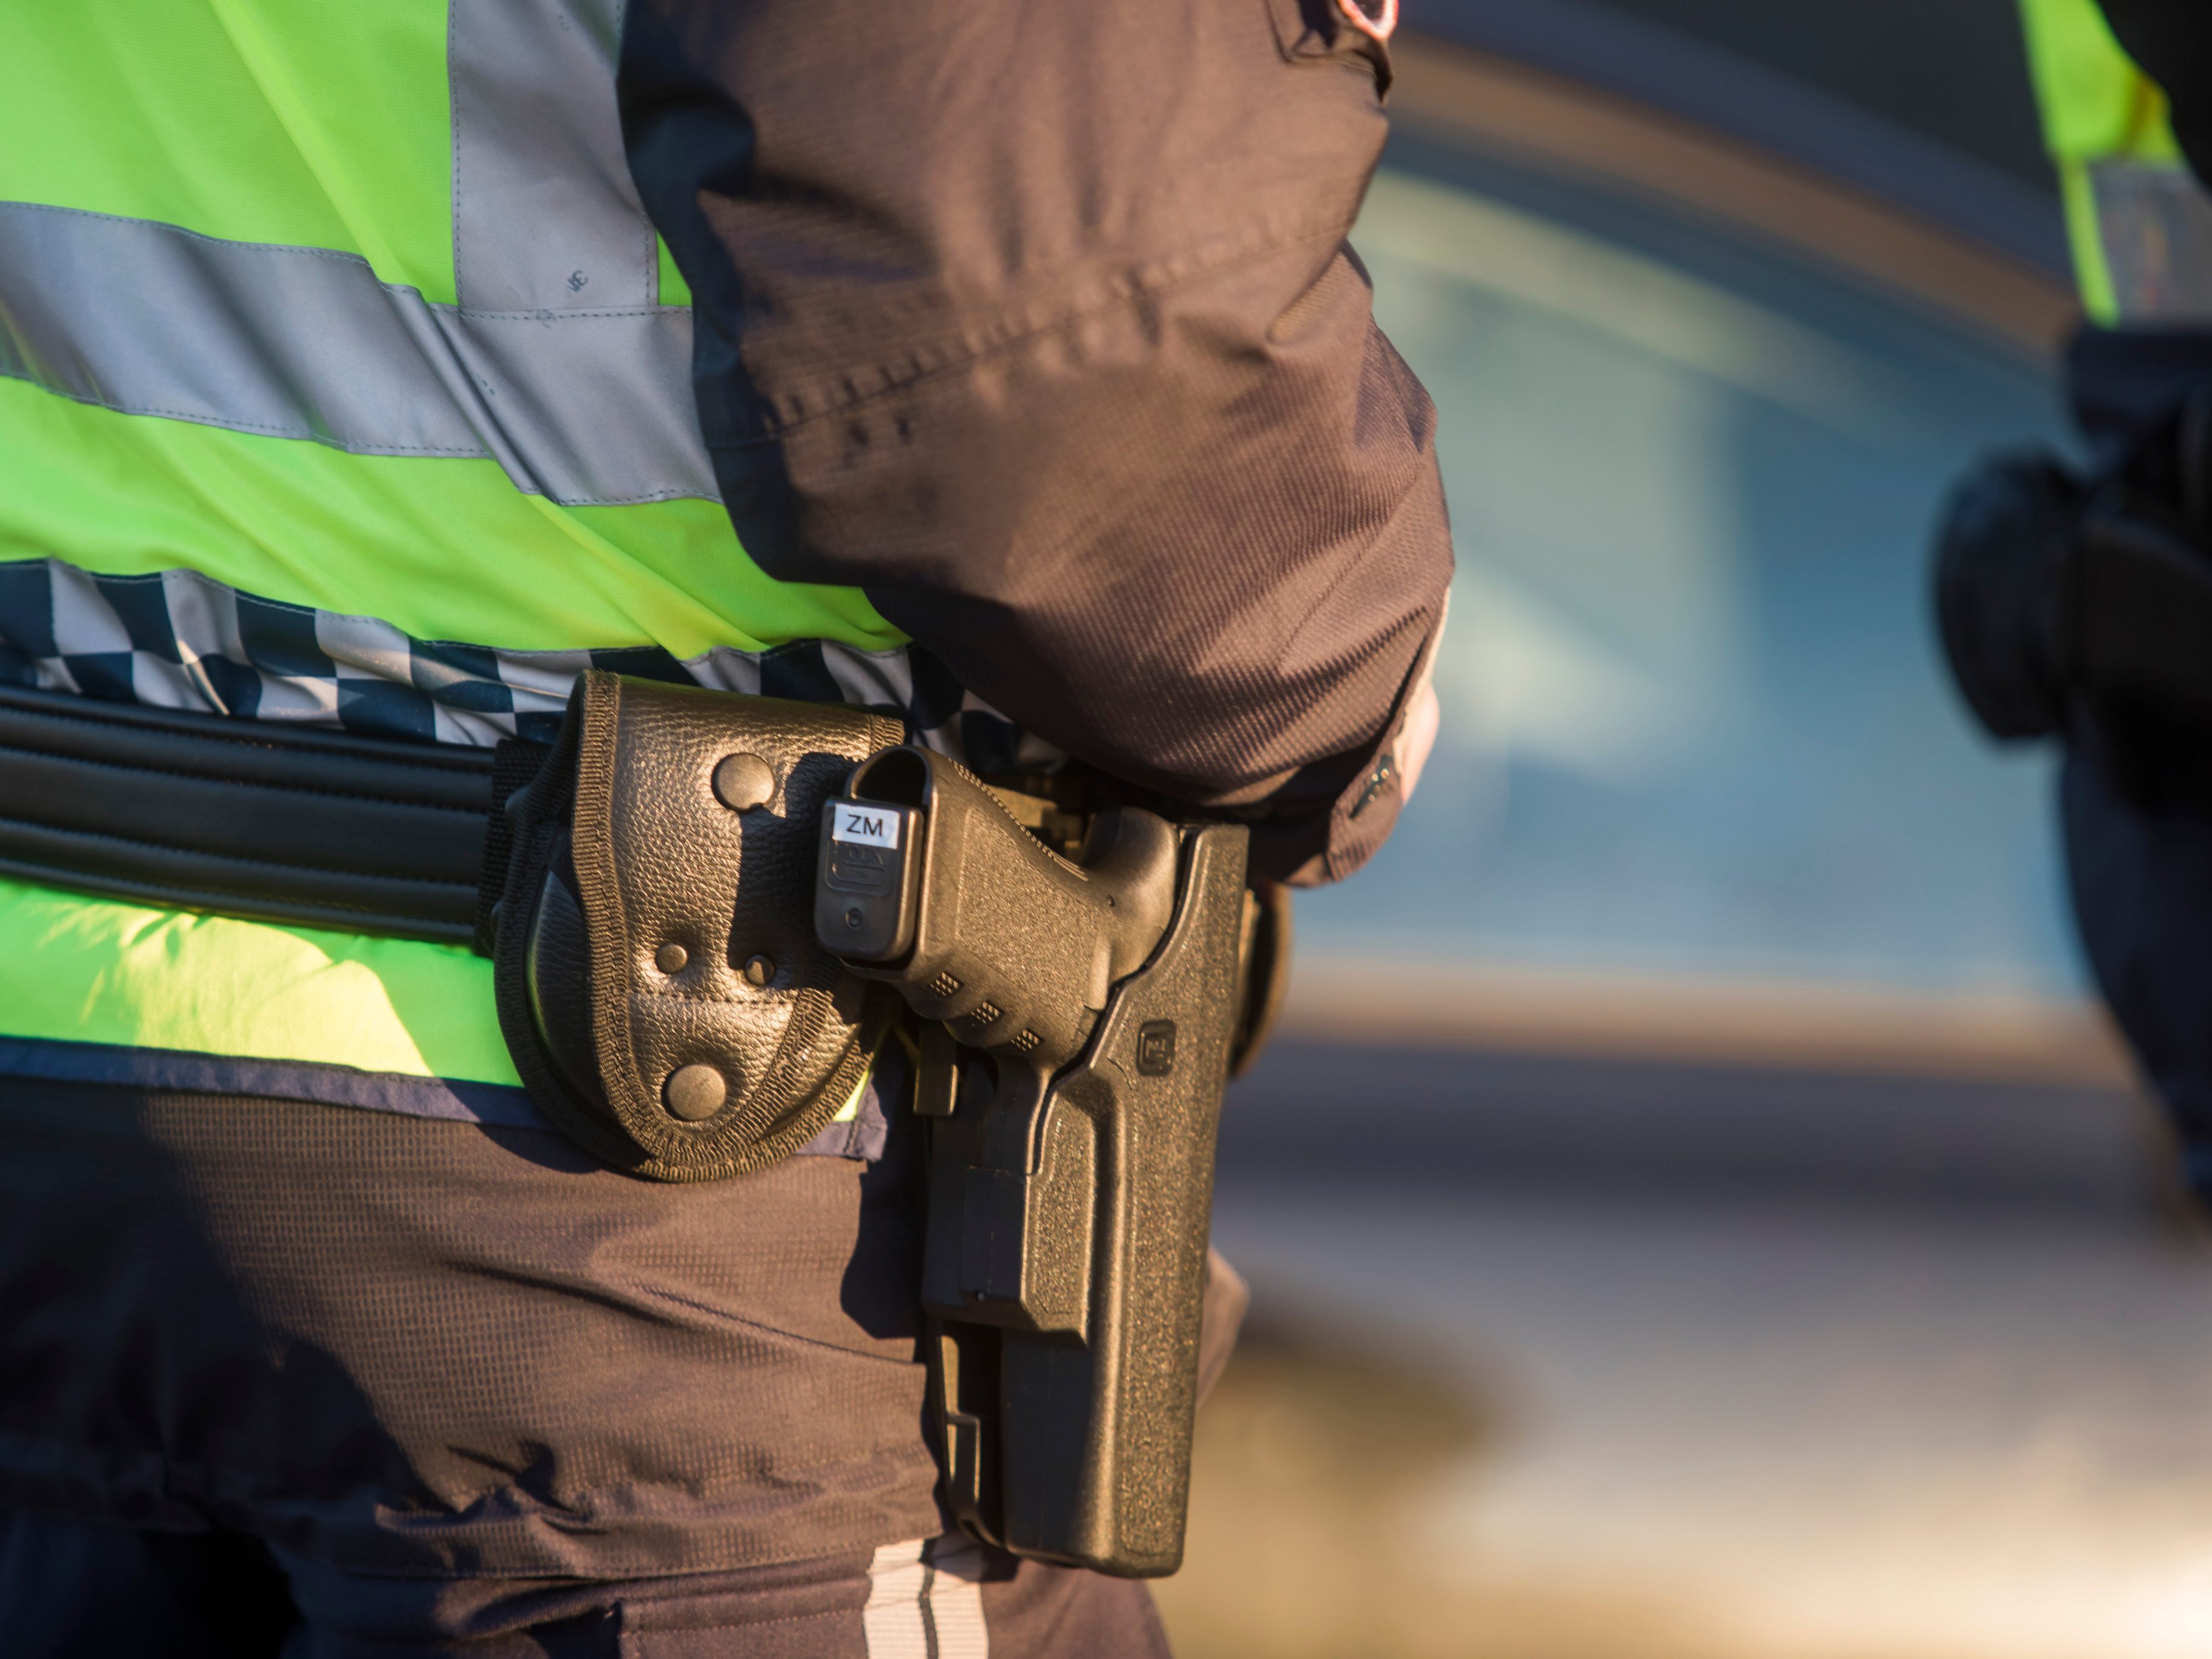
[515,762]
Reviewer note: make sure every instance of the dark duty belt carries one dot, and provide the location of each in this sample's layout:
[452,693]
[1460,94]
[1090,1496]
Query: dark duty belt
[252,818]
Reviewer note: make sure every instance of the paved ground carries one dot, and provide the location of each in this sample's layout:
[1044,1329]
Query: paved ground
[1562,1357]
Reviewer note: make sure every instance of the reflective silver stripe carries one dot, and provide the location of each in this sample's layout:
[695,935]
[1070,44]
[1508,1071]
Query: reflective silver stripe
[557,363]
[583,407]
[2154,227]
[545,216]
[925,1602]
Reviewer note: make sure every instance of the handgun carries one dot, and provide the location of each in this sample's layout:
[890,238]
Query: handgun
[1069,1201]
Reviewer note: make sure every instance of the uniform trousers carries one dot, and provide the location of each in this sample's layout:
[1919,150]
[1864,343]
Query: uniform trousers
[285,1377]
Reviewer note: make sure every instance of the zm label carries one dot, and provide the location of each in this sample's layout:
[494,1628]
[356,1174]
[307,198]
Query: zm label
[875,828]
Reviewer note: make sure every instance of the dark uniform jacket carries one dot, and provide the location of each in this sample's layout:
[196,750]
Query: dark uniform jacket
[1039,324]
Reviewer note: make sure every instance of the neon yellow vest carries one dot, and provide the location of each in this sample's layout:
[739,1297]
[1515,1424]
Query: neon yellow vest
[348,306]
[2140,227]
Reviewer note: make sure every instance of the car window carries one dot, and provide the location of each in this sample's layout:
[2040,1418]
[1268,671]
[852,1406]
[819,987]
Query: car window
[1695,719]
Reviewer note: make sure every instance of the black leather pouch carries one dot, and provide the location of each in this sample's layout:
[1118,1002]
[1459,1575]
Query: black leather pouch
[658,981]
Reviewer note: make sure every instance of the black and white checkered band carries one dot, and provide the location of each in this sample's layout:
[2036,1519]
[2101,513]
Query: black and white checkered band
[176,639]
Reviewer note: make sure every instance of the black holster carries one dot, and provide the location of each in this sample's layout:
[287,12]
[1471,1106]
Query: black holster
[1108,993]
[1064,1271]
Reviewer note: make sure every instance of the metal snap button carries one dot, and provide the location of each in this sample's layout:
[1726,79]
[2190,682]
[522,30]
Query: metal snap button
[671,958]
[743,781]
[693,1092]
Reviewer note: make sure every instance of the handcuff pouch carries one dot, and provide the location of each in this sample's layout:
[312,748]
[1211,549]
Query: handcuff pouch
[658,982]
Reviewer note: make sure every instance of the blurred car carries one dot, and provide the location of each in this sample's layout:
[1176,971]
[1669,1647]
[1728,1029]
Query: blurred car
[1693,1206]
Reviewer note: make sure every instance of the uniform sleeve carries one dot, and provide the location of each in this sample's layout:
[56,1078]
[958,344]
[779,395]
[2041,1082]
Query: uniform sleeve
[1038,323]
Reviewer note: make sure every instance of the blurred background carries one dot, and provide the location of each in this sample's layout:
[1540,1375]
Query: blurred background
[1694,1208]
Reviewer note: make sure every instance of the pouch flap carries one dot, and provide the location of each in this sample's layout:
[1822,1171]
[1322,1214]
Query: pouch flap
[660,984]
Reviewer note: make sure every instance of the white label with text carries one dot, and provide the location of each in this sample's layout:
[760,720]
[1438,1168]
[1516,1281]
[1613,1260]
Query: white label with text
[872,826]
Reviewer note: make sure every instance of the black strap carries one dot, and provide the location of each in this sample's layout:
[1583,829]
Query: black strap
[246,818]
[514,761]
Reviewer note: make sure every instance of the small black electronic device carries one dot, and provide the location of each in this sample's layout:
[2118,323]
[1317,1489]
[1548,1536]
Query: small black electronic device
[864,900]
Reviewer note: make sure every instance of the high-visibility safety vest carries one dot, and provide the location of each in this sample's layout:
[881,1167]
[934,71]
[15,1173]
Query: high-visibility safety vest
[2139,224]
[342,379]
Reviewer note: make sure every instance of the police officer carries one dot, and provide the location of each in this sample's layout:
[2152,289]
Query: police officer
[372,368]
[2077,603]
